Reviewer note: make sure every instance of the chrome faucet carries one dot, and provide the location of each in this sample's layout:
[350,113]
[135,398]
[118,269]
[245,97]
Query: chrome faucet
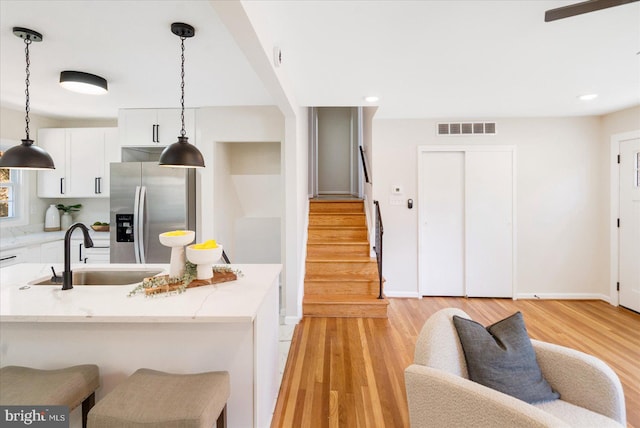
[67,275]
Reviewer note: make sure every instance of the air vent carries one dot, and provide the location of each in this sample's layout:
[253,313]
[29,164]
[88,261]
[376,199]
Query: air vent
[467,128]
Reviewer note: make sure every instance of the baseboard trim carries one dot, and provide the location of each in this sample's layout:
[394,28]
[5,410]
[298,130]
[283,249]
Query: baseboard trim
[291,320]
[563,296]
[404,294]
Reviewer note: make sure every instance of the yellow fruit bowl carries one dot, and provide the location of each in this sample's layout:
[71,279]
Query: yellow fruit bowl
[177,238]
[205,258]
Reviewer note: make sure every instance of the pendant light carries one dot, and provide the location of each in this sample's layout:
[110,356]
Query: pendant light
[181,154]
[26,155]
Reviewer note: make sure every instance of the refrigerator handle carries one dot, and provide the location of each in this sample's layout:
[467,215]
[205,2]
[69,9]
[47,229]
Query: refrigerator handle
[141,223]
[136,229]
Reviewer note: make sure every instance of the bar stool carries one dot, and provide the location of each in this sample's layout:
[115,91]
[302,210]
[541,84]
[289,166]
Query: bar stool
[62,387]
[150,398]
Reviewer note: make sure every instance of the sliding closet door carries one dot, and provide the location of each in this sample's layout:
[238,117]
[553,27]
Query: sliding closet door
[442,224]
[489,223]
[466,224]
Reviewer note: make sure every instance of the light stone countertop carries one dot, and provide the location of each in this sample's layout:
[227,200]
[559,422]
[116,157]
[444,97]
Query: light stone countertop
[235,301]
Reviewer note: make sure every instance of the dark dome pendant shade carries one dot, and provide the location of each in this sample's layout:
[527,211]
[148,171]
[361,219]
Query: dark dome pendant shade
[181,154]
[84,83]
[26,155]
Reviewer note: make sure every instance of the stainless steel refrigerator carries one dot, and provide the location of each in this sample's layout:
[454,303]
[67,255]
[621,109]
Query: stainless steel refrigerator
[147,200]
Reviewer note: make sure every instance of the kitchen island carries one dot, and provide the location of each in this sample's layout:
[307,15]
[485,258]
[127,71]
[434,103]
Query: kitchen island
[230,326]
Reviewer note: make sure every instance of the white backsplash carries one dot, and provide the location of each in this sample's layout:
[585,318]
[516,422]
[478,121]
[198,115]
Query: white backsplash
[92,210]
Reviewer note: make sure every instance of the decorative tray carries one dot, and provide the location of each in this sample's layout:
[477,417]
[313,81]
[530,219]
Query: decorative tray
[218,278]
[100,228]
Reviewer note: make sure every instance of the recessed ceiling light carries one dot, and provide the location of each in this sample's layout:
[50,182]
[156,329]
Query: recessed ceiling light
[371,99]
[84,83]
[587,97]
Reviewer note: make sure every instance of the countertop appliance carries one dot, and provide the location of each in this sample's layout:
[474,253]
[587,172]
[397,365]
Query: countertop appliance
[147,200]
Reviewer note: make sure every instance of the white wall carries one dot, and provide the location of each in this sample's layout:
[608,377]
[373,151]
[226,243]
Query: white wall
[562,202]
[248,185]
[297,202]
[226,125]
[367,142]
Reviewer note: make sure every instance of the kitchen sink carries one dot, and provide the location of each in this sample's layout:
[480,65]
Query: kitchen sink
[103,277]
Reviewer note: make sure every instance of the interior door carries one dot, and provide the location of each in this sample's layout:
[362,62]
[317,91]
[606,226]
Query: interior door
[629,232]
[442,263]
[489,223]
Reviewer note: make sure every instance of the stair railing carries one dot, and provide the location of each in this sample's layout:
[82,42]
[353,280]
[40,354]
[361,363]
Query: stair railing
[378,245]
[363,158]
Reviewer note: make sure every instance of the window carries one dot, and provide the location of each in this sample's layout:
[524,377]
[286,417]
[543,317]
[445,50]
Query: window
[7,192]
[13,198]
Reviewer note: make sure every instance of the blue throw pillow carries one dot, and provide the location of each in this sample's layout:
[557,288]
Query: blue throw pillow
[501,357]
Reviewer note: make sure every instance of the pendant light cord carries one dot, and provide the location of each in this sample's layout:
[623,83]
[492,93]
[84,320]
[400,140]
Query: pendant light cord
[182,131]
[27,42]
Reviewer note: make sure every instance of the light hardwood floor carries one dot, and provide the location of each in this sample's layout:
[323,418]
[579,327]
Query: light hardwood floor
[349,372]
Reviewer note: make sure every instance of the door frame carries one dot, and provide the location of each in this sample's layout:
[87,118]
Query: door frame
[614,212]
[356,187]
[472,148]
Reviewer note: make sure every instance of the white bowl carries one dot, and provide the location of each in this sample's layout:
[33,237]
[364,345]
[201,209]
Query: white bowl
[177,241]
[204,258]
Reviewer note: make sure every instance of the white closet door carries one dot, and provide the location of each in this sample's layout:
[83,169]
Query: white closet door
[630,224]
[489,223]
[442,229]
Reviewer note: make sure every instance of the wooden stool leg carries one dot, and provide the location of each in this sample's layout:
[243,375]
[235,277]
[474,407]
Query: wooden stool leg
[222,419]
[87,404]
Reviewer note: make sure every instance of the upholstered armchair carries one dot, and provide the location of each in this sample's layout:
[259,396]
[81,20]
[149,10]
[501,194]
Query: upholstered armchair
[440,394]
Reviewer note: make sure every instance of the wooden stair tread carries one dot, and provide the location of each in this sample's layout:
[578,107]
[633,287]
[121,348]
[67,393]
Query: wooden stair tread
[332,201]
[336,226]
[362,278]
[338,212]
[344,299]
[351,242]
[340,258]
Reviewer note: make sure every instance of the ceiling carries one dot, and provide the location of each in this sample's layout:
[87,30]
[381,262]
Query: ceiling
[458,59]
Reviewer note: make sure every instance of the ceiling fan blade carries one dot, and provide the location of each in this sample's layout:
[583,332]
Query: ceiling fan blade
[583,7]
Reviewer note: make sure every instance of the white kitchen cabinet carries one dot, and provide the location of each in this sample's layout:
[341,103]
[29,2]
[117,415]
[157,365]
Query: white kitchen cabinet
[154,127]
[13,256]
[52,252]
[82,157]
[99,253]
[51,183]
[48,252]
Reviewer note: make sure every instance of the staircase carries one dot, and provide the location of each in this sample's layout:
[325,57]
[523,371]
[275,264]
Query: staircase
[341,278]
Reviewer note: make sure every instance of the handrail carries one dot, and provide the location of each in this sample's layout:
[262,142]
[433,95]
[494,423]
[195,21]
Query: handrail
[378,245]
[364,165]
